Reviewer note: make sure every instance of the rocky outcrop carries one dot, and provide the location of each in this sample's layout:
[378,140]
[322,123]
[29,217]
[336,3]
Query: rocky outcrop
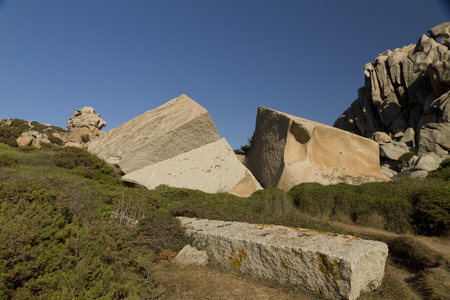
[407,90]
[176,127]
[336,266]
[84,126]
[212,168]
[32,138]
[288,150]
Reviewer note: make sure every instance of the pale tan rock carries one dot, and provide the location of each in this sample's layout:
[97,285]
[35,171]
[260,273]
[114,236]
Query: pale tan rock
[84,126]
[336,266]
[191,256]
[288,150]
[212,168]
[176,127]
[381,137]
[32,138]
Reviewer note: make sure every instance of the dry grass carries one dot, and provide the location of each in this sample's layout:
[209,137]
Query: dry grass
[195,282]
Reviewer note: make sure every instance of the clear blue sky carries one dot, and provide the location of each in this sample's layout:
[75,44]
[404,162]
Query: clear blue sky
[125,57]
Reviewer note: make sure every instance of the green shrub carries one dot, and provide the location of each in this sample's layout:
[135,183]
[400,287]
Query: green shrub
[7,161]
[431,214]
[85,138]
[85,164]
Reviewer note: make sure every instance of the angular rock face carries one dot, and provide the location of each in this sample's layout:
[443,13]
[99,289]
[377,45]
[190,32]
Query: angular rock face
[83,127]
[407,88]
[288,150]
[178,126]
[337,266]
[32,138]
[212,168]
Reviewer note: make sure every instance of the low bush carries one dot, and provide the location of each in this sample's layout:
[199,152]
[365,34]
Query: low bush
[85,164]
[443,172]
[403,206]
[7,161]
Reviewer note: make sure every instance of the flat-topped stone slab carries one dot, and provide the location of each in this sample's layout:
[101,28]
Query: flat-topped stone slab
[337,266]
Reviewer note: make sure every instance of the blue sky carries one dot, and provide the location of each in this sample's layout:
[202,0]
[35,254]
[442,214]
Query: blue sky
[302,57]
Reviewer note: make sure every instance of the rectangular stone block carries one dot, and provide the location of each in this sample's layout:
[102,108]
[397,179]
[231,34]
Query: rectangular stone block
[336,266]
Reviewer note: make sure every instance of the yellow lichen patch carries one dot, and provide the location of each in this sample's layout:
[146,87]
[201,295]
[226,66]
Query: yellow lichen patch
[217,167]
[208,171]
[236,258]
[353,239]
[329,268]
[284,266]
[242,254]
[169,174]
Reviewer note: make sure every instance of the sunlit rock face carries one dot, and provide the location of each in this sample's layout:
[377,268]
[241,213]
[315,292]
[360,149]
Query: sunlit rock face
[178,126]
[213,168]
[336,266]
[288,150]
[407,89]
[83,127]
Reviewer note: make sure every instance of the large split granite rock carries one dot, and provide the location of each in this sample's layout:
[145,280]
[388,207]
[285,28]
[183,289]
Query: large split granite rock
[337,266]
[84,126]
[212,168]
[407,89]
[288,150]
[176,127]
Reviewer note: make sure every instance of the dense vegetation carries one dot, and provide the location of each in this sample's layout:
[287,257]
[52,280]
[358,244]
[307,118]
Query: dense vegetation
[69,229]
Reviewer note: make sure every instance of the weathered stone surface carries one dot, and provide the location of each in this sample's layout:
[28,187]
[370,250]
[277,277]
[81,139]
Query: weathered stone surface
[428,162]
[337,266]
[84,126]
[288,150]
[176,127]
[393,150]
[190,256]
[212,168]
[381,137]
[32,138]
[407,89]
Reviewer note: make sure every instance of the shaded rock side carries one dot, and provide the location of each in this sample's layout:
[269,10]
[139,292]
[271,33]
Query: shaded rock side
[212,168]
[84,126]
[176,127]
[288,150]
[336,266]
[407,88]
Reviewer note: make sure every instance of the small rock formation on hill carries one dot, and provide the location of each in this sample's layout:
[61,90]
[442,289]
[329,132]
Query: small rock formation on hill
[32,138]
[288,150]
[212,168]
[406,96]
[176,127]
[83,127]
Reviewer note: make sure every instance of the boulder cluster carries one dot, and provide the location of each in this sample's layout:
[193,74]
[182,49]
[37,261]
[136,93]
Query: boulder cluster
[176,144]
[404,104]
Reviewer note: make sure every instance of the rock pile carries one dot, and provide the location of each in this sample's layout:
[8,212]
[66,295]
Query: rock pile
[406,95]
[83,127]
[288,150]
[32,138]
